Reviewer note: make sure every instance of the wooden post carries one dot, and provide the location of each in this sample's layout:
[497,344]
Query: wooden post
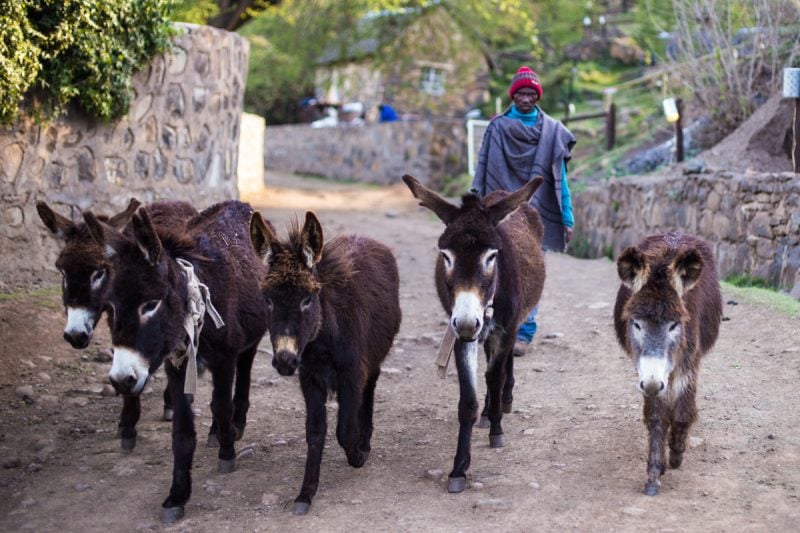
[795,136]
[679,131]
[611,126]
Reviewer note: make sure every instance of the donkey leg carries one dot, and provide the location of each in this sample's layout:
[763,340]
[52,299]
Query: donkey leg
[495,380]
[467,366]
[348,427]
[222,411]
[183,445]
[683,415]
[365,415]
[316,427]
[656,418]
[508,387]
[241,394]
[168,410]
[483,422]
[131,410]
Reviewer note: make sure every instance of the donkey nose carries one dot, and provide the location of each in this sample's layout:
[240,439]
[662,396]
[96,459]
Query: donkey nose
[124,385]
[652,388]
[77,340]
[285,363]
[467,328]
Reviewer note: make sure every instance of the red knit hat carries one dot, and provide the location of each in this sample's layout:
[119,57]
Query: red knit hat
[525,77]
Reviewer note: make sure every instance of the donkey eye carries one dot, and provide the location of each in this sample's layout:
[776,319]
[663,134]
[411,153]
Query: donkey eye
[306,302]
[148,309]
[637,326]
[674,326]
[490,259]
[98,276]
[448,261]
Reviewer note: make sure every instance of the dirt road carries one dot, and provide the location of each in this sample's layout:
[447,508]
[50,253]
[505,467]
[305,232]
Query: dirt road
[575,453]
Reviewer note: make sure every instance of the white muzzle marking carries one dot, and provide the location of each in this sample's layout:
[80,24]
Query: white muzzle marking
[653,375]
[79,320]
[129,363]
[283,343]
[467,316]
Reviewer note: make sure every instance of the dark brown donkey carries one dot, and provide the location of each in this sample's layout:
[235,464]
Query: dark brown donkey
[667,317]
[333,312]
[489,275]
[86,272]
[150,301]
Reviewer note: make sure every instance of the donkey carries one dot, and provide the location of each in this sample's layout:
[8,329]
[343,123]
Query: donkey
[489,275]
[667,317]
[86,271]
[156,270]
[333,312]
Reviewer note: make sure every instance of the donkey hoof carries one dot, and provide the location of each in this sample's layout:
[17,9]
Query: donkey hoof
[357,459]
[507,407]
[301,508]
[456,484]
[239,432]
[651,488]
[170,515]
[127,444]
[483,422]
[675,459]
[213,441]
[226,466]
[168,414]
[497,441]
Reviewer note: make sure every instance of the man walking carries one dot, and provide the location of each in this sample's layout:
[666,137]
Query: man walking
[518,145]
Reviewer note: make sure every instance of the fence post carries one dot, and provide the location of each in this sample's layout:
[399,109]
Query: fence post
[611,126]
[679,131]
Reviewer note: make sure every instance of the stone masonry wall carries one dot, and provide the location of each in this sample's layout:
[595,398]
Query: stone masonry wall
[751,219]
[179,140]
[372,153]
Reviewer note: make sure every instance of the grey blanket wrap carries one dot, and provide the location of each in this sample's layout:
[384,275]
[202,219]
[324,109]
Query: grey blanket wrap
[512,153]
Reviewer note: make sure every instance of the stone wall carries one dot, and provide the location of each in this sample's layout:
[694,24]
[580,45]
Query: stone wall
[372,153]
[179,140]
[752,219]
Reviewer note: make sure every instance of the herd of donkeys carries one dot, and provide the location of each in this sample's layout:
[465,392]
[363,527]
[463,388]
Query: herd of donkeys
[196,291]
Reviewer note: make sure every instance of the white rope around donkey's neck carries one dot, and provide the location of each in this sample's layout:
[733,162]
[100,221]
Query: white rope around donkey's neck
[199,303]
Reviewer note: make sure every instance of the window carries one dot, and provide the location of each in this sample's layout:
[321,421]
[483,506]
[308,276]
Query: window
[432,81]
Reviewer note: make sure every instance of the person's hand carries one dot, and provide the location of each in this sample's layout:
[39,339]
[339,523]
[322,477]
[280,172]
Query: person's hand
[567,234]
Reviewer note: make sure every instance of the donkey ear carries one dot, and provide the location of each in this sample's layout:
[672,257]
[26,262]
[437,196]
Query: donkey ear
[632,268]
[504,207]
[429,199]
[263,237]
[106,236]
[119,220]
[59,226]
[145,235]
[312,240]
[686,270]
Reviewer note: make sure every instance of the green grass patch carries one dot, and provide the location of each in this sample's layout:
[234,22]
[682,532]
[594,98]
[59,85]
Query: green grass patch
[748,280]
[47,297]
[769,298]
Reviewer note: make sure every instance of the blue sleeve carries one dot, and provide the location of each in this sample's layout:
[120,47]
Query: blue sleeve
[567,218]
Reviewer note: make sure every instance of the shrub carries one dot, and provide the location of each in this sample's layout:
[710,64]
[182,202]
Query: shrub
[59,52]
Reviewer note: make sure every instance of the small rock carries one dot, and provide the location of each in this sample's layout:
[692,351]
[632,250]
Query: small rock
[538,369]
[492,504]
[391,214]
[28,502]
[34,467]
[45,358]
[280,442]
[96,389]
[732,302]
[49,400]
[212,488]
[41,444]
[409,367]
[533,485]
[791,349]
[357,502]
[269,499]
[108,391]
[477,485]
[554,335]
[266,382]
[772,436]
[434,473]
[633,511]
[82,487]
[79,401]
[28,363]
[123,470]
[12,462]
[26,393]
[558,465]
[529,431]
[391,370]
[694,442]
[103,356]
[598,305]
[591,407]
[422,442]
[705,493]
[44,377]
[247,452]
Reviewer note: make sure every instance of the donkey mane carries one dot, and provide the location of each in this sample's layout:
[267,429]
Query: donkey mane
[180,245]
